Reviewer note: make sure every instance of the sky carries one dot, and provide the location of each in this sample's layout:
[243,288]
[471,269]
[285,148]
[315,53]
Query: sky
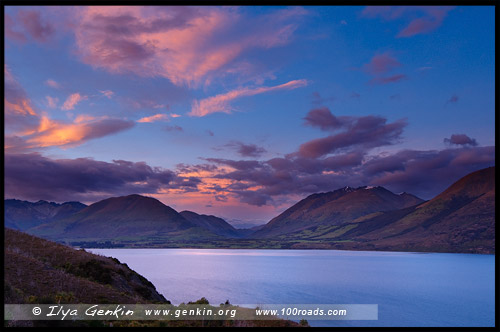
[240,112]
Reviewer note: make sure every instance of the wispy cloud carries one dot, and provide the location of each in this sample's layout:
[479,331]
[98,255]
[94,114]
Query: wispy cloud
[52,101]
[453,99]
[173,128]
[108,93]
[158,117]
[380,65]
[19,113]
[56,133]
[182,44]
[28,23]
[72,100]
[246,150]
[388,79]
[221,103]
[429,17]
[52,83]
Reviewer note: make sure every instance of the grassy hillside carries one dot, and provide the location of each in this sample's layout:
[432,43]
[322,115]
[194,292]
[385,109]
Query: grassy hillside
[133,220]
[212,223]
[39,271]
[334,208]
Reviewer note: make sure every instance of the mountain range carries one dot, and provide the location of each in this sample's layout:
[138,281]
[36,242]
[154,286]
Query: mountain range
[341,206]
[23,215]
[460,219]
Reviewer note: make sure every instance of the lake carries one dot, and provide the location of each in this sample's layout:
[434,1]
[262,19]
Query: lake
[411,289]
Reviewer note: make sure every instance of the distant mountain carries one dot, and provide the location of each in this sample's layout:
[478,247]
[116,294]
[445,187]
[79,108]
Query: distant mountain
[214,224]
[335,208]
[132,217]
[245,224]
[23,215]
[462,218]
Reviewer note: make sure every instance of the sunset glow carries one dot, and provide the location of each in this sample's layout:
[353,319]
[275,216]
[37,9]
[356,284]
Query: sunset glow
[240,112]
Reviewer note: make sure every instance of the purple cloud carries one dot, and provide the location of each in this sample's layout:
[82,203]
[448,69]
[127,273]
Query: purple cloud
[389,79]
[325,120]
[10,32]
[34,25]
[173,128]
[427,173]
[364,132]
[453,99]
[430,17]
[423,173]
[246,150]
[33,177]
[460,139]
[381,64]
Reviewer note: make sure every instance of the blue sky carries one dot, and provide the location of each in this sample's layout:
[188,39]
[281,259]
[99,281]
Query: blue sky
[242,111]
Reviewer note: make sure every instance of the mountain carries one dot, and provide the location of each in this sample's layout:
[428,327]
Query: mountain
[462,218]
[23,215]
[335,208]
[245,224]
[214,224]
[133,217]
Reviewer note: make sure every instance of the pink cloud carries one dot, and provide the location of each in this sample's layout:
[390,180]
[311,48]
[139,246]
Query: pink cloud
[19,113]
[154,118]
[433,20]
[431,17]
[221,102]
[28,129]
[52,83]
[182,44]
[11,32]
[108,93]
[33,23]
[72,100]
[56,133]
[52,101]
[381,64]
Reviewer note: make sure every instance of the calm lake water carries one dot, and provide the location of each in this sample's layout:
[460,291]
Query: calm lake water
[411,289]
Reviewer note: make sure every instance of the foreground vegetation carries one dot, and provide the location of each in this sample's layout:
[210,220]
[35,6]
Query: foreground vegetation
[43,272]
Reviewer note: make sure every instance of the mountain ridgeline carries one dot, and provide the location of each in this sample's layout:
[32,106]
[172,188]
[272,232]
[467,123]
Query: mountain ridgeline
[341,206]
[23,215]
[132,220]
[460,219]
